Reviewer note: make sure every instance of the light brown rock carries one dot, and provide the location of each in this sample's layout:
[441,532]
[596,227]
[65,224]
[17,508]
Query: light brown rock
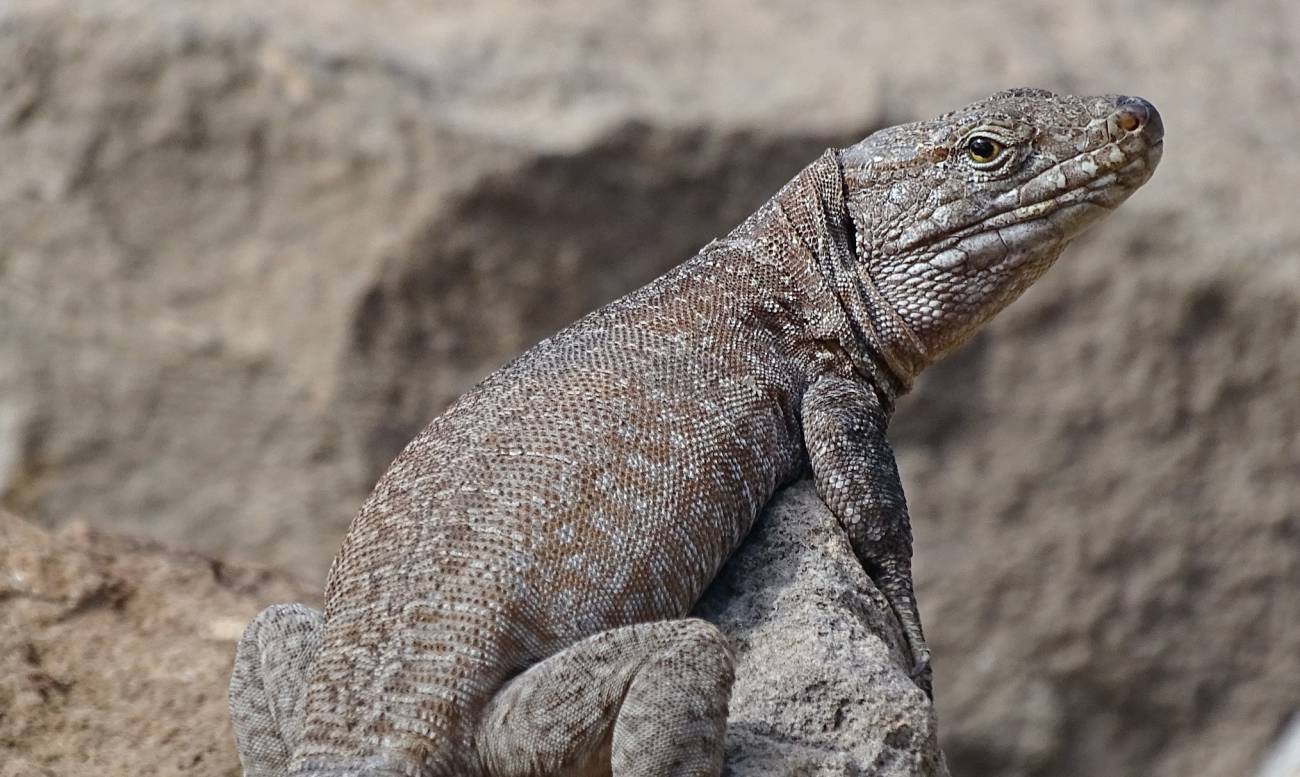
[115,654]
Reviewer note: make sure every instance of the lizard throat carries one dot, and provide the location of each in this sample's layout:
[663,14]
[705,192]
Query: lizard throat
[879,343]
[897,353]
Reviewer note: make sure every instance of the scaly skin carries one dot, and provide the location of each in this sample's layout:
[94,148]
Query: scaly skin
[510,599]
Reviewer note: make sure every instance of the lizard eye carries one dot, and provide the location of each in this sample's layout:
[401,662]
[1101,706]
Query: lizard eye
[983,150]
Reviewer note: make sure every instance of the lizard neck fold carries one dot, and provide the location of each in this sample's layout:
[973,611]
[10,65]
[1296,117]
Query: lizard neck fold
[881,345]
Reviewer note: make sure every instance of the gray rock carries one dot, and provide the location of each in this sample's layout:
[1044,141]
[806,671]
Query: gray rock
[822,684]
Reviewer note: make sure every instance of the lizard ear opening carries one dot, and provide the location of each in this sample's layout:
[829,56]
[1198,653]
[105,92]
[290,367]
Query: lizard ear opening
[856,249]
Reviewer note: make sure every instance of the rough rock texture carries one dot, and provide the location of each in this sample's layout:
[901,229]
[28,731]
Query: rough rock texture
[247,248]
[115,654]
[821,665]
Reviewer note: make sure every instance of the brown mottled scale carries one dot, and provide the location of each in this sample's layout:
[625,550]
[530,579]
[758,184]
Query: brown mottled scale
[511,598]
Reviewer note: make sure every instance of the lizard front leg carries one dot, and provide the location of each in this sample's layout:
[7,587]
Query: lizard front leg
[856,476]
[267,686]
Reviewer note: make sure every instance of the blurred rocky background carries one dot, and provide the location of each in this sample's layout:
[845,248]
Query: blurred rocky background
[247,249]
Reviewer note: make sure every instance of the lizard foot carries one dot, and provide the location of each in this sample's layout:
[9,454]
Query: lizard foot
[898,590]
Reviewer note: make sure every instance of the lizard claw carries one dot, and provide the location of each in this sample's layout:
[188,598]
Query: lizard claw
[923,675]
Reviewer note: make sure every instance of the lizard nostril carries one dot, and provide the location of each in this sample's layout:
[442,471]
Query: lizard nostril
[1129,120]
[1137,115]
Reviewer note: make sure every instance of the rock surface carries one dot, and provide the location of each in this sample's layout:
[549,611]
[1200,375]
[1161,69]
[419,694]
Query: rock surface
[822,688]
[115,653]
[246,249]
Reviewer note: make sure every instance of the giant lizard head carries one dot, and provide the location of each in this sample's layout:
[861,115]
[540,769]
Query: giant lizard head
[956,216]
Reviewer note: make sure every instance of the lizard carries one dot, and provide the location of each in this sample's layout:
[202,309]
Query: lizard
[511,599]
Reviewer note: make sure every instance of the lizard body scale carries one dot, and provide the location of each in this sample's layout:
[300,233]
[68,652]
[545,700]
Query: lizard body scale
[511,598]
